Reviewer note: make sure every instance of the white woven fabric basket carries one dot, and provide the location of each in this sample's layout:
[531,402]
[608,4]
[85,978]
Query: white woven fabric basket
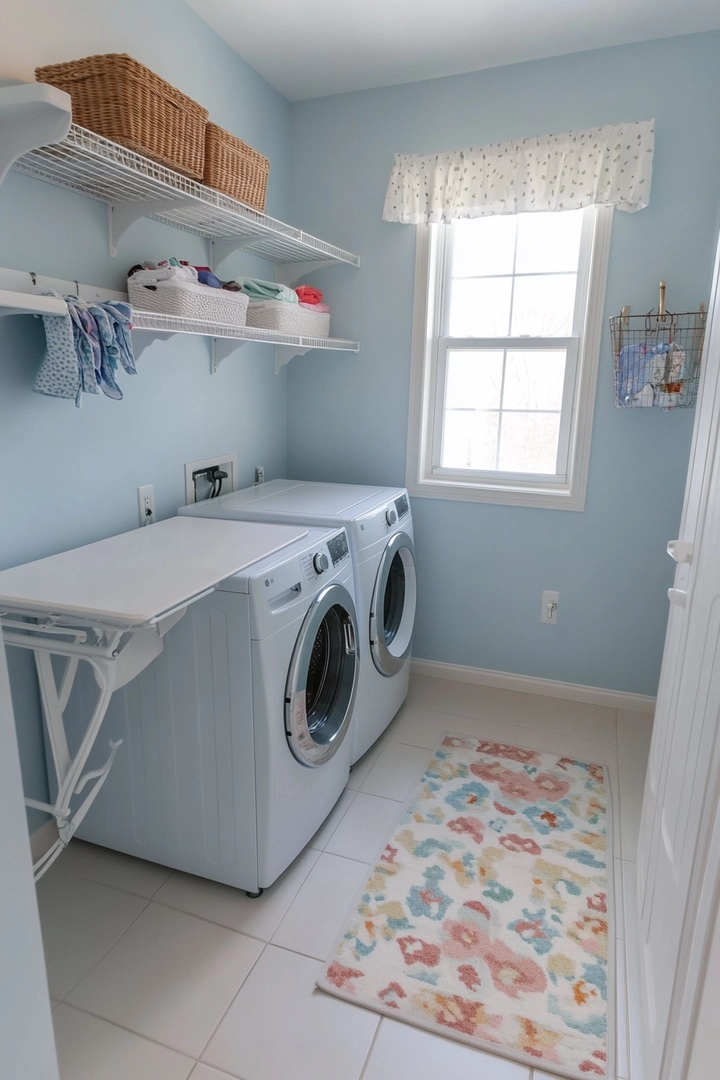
[184,298]
[288,318]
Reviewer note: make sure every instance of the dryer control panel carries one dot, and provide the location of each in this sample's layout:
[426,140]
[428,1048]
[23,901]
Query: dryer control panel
[315,563]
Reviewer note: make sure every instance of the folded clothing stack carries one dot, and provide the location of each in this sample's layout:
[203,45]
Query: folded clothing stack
[289,311]
[193,292]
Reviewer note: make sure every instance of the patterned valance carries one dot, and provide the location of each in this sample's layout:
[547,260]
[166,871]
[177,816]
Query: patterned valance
[602,166]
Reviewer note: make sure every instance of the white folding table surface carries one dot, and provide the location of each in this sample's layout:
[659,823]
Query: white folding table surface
[110,603]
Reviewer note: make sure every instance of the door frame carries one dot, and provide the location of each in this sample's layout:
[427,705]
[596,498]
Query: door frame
[703,909]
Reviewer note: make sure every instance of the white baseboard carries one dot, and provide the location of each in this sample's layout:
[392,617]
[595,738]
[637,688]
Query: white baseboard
[43,839]
[529,684]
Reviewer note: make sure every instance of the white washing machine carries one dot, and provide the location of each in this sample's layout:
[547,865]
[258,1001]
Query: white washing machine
[379,524]
[236,739]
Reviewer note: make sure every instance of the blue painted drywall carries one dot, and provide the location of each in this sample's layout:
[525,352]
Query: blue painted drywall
[69,476]
[482,568]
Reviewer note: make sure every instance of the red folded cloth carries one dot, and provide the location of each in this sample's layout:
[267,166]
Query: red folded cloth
[307,294]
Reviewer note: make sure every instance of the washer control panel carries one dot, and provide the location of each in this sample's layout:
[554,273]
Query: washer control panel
[315,563]
[402,505]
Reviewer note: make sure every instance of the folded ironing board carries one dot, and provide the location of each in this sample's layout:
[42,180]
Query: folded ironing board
[110,603]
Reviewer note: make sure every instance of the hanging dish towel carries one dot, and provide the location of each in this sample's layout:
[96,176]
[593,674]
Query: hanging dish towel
[84,349]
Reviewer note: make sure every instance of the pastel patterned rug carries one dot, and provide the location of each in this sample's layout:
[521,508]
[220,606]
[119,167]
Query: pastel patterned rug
[486,916]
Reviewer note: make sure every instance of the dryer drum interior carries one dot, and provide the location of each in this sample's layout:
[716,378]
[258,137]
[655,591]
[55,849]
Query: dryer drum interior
[323,677]
[392,614]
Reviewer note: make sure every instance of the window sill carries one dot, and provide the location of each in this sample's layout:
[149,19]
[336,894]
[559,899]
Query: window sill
[542,498]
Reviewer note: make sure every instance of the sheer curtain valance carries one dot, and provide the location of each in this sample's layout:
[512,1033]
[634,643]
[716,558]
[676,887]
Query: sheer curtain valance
[602,166]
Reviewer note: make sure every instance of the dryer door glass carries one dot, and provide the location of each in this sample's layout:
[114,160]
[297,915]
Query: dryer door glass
[392,612]
[322,680]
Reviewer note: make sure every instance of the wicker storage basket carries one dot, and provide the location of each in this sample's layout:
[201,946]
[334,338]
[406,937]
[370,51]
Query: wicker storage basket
[185,299]
[288,318]
[233,167]
[122,100]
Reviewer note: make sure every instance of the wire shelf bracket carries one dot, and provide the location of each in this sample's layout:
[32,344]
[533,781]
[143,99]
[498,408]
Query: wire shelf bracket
[122,215]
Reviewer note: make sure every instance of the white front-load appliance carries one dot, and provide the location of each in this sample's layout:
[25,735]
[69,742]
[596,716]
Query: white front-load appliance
[236,739]
[380,528]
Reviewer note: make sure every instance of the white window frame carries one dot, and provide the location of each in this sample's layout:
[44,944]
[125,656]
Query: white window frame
[565,490]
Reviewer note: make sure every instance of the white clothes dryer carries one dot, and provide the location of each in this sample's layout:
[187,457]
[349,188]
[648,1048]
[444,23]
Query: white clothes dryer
[379,524]
[237,737]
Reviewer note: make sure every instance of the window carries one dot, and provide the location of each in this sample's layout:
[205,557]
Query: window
[508,316]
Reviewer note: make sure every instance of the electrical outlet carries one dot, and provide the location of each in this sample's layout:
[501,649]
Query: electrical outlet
[198,487]
[259,474]
[146,505]
[549,608]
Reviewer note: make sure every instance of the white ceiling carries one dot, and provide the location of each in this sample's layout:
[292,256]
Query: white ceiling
[309,48]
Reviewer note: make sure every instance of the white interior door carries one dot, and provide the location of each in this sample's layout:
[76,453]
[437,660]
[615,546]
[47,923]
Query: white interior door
[681,787]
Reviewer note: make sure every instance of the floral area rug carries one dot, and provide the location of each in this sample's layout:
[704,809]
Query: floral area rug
[485,918]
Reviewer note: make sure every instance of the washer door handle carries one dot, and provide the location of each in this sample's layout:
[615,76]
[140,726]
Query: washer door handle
[349,631]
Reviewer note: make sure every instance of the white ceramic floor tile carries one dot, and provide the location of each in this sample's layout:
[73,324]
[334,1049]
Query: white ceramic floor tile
[634,729]
[170,978]
[635,1029]
[401,1050]
[571,718]
[421,727]
[633,765]
[618,898]
[113,868]
[332,821]
[93,1049]
[280,1026]
[622,1050]
[362,767]
[231,907]
[470,699]
[364,828]
[630,901]
[80,922]
[397,771]
[317,913]
[205,1072]
[630,810]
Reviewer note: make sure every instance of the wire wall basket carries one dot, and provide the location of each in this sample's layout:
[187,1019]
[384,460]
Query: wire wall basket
[657,357]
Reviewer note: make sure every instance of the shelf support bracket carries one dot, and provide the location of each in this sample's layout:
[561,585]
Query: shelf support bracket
[33,114]
[285,353]
[222,348]
[122,215]
[290,273]
[222,247]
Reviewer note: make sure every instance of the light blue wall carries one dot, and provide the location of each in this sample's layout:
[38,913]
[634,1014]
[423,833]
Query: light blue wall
[482,567]
[69,476]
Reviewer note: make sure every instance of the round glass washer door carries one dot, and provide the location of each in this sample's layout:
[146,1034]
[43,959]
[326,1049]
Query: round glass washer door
[322,679]
[394,601]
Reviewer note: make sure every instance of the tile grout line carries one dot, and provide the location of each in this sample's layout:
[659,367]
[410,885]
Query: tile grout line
[366,1062]
[230,1004]
[63,1000]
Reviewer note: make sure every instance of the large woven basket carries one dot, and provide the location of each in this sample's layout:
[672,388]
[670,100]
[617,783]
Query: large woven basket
[288,318]
[185,299]
[233,167]
[122,100]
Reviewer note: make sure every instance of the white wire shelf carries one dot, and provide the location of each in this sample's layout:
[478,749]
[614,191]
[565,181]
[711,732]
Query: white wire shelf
[135,187]
[227,338]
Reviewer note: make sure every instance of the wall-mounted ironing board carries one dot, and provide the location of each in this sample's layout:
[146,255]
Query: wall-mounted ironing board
[110,603]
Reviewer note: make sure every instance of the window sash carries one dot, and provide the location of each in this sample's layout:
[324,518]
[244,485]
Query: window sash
[431,296]
[497,476]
